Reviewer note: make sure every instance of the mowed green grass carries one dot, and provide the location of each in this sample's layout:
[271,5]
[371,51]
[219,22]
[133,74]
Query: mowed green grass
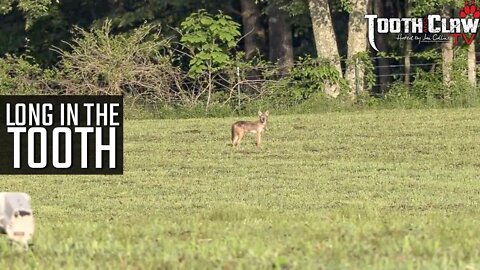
[391,189]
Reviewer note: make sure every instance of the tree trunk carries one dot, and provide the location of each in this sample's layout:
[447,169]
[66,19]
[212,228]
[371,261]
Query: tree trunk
[447,54]
[253,31]
[408,50]
[447,60]
[325,40]
[382,63]
[280,37]
[472,65]
[408,61]
[357,43]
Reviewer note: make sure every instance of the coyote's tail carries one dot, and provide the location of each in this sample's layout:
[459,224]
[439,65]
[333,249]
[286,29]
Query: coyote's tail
[233,132]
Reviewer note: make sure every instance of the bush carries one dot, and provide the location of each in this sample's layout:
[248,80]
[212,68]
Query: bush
[19,76]
[134,64]
[283,90]
[428,89]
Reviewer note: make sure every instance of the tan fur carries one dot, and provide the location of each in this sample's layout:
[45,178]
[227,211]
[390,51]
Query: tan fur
[257,127]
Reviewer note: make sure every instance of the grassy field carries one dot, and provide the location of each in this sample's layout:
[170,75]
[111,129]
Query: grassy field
[392,189]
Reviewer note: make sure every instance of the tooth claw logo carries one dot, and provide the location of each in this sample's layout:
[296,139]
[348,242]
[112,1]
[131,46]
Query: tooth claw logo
[470,10]
[432,28]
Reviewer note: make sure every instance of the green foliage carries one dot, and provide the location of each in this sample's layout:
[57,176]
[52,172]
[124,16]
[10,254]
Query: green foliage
[208,38]
[363,60]
[431,54]
[428,87]
[19,76]
[304,80]
[114,60]
[422,7]
[6,6]
[461,88]
[31,9]
[310,75]
[341,6]
[346,5]
[135,63]
[294,7]
[399,92]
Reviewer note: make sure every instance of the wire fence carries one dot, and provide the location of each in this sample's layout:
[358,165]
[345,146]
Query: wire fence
[384,71]
[241,84]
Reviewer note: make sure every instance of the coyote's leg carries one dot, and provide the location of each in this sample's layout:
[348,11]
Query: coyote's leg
[239,138]
[234,140]
[259,139]
[234,136]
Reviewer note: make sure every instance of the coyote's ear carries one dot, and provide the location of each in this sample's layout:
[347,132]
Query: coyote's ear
[260,113]
[266,113]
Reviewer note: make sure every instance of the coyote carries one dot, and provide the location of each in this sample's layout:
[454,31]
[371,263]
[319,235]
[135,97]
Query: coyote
[257,127]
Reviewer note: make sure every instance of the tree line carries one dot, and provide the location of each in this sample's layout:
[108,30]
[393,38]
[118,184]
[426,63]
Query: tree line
[280,32]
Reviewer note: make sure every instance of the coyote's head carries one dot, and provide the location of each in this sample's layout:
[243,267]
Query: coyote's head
[263,117]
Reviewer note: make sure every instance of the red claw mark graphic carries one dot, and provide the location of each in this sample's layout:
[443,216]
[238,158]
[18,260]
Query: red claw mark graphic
[470,9]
